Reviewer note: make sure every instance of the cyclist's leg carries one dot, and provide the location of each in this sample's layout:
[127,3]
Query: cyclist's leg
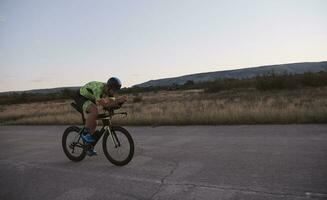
[90,112]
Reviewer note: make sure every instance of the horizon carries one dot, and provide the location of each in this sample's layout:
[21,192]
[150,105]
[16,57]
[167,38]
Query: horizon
[145,40]
[71,86]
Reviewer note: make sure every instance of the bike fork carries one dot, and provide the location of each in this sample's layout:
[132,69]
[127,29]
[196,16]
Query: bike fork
[114,137]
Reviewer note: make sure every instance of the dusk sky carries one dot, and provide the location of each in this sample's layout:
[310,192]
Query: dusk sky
[58,43]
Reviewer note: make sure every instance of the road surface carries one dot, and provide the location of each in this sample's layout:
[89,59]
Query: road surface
[186,162]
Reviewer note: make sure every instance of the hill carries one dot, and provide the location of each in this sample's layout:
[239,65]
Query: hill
[292,68]
[41,91]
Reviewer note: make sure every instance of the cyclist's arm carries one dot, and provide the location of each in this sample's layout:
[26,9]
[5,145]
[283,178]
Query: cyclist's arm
[107,102]
[112,101]
[102,100]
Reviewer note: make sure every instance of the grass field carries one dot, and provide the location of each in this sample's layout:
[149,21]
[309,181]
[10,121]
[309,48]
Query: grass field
[188,107]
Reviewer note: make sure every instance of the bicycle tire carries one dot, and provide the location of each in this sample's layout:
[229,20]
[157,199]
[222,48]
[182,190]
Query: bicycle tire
[131,145]
[68,131]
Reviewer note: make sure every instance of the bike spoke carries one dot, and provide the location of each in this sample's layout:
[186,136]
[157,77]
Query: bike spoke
[76,144]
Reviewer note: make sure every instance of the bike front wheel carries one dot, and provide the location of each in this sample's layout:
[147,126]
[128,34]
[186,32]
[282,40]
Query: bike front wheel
[118,146]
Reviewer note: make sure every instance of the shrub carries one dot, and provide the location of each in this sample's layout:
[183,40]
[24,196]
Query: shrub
[314,79]
[274,82]
[137,99]
[189,82]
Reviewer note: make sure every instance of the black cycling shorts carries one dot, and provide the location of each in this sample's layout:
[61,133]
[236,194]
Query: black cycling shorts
[80,100]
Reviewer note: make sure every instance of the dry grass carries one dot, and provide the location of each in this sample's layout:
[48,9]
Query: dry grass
[191,107]
[56,112]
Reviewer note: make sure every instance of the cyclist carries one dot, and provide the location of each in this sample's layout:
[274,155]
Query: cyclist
[95,94]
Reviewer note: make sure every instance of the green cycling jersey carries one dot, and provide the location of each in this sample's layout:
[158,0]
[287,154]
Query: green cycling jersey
[93,91]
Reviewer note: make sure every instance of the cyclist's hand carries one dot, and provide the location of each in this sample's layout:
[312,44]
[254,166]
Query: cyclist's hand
[108,102]
[122,99]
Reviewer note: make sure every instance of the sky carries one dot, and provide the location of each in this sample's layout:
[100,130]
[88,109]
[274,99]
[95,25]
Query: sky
[46,43]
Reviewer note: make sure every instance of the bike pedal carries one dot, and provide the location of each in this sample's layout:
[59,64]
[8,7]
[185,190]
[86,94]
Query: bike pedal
[89,147]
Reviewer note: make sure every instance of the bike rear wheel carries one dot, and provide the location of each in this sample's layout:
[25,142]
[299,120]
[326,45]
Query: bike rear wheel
[118,146]
[73,145]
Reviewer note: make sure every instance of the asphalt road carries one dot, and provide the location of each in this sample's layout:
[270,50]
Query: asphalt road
[190,162]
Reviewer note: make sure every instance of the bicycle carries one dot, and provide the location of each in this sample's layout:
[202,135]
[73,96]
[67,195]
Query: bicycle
[117,141]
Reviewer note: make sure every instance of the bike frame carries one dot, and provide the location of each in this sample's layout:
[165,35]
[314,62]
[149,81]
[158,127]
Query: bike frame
[106,127]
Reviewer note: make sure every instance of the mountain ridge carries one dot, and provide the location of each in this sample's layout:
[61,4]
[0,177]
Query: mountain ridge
[290,68]
[41,91]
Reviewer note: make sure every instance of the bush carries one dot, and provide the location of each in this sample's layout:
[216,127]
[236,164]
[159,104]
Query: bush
[276,82]
[68,94]
[314,79]
[288,81]
[25,97]
[217,86]
[137,99]
[189,82]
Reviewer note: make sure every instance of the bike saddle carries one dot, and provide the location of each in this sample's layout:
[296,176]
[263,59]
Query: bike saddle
[76,107]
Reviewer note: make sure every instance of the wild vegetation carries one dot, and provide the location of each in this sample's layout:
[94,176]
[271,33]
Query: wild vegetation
[239,106]
[260,100]
[270,81]
[26,97]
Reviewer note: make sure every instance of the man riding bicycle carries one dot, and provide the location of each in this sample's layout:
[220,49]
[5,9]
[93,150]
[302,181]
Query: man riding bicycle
[92,95]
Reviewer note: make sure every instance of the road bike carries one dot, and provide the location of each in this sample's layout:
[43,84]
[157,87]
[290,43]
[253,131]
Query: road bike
[117,143]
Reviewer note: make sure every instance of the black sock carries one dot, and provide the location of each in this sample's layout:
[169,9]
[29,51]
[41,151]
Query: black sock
[86,131]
